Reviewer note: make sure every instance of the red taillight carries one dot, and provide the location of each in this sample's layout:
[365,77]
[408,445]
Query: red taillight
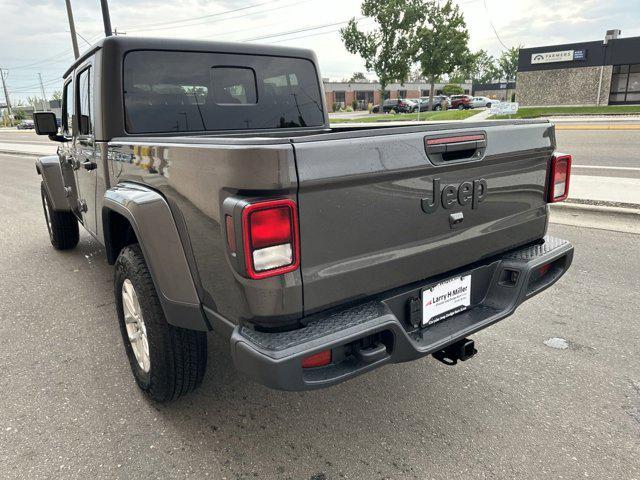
[270,234]
[559,179]
[319,359]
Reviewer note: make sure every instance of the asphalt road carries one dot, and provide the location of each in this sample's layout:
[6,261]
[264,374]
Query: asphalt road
[69,407]
[595,152]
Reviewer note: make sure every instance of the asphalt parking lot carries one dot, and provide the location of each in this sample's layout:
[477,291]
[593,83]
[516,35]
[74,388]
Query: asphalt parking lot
[69,407]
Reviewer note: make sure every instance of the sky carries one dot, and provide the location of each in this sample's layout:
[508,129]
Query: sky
[34,35]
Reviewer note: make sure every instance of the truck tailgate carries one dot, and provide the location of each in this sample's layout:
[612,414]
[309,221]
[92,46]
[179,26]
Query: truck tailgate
[370,220]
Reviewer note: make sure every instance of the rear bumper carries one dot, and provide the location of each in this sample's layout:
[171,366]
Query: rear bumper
[274,359]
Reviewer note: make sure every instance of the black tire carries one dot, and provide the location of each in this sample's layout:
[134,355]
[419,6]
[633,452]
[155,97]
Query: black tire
[64,232]
[461,107]
[437,108]
[178,357]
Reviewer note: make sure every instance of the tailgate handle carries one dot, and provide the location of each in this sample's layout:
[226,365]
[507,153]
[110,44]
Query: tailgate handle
[444,148]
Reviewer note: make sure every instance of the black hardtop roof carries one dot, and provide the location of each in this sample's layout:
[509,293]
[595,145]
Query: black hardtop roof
[125,43]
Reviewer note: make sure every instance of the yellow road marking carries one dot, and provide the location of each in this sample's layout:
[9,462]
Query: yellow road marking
[597,127]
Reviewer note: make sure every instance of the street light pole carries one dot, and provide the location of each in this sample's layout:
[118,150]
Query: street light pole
[72,30]
[106,18]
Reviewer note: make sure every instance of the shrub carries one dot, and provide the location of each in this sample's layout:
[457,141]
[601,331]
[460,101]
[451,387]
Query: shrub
[370,107]
[335,107]
[452,89]
[354,105]
[348,109]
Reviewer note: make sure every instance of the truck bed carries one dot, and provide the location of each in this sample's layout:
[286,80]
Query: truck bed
[365,194]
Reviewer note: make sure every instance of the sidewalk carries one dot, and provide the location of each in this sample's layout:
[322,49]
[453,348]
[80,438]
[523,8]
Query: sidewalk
[28,149]
[613,191]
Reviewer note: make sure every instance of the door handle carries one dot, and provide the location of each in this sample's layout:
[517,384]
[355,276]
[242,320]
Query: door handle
[89,165]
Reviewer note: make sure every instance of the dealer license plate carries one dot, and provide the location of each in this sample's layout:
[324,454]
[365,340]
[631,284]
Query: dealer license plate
[445,299]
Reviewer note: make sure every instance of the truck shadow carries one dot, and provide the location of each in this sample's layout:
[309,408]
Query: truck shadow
[368,424]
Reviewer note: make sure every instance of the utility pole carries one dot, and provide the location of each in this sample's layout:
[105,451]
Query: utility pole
[44,95]
[72,30]
[6,97]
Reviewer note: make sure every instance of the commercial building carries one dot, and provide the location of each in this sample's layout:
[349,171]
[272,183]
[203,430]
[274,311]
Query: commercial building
[588,73]
[501,91]
[342,94]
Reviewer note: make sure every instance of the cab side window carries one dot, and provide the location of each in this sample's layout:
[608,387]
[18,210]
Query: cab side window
[67,109]
[85,102]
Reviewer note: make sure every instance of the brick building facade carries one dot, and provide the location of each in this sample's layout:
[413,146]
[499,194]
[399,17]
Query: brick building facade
[343,94]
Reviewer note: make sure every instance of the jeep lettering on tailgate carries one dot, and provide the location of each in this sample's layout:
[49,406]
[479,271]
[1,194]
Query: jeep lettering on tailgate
[467,192]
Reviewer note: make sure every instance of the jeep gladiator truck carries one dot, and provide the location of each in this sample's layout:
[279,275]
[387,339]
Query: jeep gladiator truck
[227,203]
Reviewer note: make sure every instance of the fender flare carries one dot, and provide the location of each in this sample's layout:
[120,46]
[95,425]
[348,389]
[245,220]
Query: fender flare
[49,168]
[151,219]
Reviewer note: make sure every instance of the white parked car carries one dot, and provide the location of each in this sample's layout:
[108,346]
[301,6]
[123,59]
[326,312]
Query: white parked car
[477,102]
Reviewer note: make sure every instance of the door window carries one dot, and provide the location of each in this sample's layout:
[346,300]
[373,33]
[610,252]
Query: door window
[85,103]
[67,108]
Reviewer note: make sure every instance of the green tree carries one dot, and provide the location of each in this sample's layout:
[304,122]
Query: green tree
[387,49]
[35,102]
[357,77]
[508,63]
[443,42]
[451,89]
[57,95]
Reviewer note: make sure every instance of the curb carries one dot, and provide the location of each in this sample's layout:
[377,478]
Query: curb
[602,217]
[608,208]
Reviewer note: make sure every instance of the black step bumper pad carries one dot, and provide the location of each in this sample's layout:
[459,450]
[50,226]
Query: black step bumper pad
[499,285]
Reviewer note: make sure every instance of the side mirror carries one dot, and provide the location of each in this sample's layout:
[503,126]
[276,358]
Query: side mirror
[45,123]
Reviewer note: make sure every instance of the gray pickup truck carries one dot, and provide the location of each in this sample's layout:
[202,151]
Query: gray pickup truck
[227,203]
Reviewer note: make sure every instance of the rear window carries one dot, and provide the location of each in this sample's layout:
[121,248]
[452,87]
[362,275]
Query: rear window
[168,91]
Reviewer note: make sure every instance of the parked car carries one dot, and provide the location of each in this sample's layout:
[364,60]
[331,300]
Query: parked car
[315,254]
[440,102]
[461,102]
[26,125]
[479,102]
[399,105]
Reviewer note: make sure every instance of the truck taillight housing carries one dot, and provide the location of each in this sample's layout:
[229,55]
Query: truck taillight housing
[559,179]
[270,237]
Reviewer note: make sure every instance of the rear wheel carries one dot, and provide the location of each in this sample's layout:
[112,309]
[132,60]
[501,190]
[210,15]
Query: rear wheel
[461,107]
[64,232]
[167,362]
[437,108]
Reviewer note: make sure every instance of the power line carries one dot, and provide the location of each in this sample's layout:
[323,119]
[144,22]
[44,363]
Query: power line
[300,30]
[200,22]
[199,17]
[310,35]
[492,26]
